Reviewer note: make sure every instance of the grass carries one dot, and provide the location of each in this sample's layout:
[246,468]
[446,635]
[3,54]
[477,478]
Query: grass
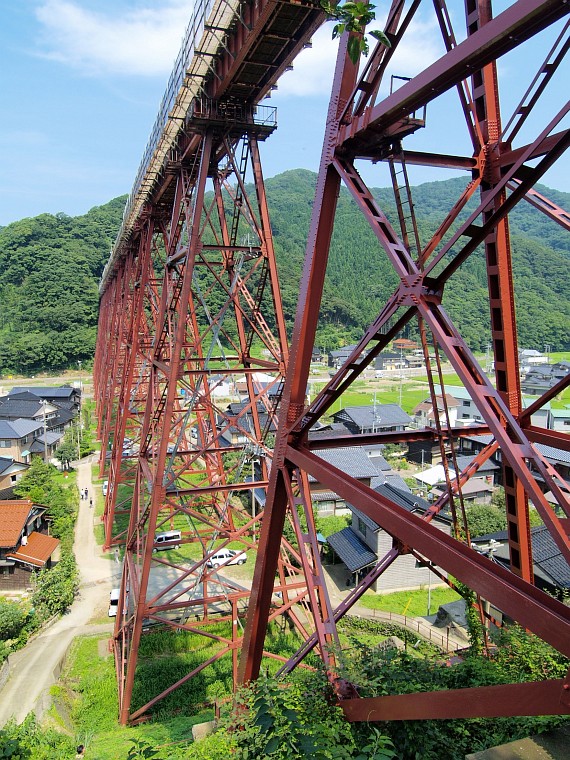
[87,693]
[410,603]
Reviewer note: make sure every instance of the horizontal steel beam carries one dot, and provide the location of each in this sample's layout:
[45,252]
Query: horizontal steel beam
[540,613]
[504,701]
[500,35]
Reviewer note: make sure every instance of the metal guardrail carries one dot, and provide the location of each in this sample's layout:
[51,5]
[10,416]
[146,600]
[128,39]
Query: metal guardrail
[448,643]
[201,41]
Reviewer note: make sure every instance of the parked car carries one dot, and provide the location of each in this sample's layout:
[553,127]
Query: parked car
[170,539]
[105,487]
[114,597]
[227,557]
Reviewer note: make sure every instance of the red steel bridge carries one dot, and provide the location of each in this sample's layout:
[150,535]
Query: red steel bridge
[191,314]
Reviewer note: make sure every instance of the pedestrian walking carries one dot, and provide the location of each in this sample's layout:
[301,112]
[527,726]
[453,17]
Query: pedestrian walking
[91,503]
[86,494]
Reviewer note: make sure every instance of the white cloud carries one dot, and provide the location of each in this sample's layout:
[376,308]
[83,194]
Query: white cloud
[314,68]
[142,42]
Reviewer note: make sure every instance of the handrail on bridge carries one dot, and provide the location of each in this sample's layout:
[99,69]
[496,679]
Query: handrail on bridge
[202,40]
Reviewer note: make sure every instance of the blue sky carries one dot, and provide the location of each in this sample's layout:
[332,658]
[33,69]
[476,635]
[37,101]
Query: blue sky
[81,81]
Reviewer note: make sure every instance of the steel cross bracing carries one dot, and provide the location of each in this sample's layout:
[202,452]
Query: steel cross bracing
[191,315]
[363,126]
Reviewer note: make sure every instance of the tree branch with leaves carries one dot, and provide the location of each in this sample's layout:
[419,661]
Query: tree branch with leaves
[354,17]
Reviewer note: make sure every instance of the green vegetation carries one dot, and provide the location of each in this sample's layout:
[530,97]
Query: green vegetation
[410,603]
[54,589]
[296,717]
[42,484]
[50,266]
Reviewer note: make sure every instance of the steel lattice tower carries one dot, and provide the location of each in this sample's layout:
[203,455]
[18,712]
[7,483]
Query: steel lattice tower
[363,125]
[190,301]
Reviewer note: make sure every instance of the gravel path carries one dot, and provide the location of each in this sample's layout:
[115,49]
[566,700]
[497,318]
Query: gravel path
[36,667]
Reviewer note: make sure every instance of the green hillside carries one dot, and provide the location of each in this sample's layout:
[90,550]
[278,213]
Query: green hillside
[50,266]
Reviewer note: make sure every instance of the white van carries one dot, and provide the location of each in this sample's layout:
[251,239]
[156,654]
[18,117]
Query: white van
[168,540]
[227,557]
[114,597]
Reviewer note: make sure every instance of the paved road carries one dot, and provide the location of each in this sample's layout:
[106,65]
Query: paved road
[36,667]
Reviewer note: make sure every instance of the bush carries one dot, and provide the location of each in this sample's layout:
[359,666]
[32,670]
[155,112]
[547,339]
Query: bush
[12,619]
[56,588]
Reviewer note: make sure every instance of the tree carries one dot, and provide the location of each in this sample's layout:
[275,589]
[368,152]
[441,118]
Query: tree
[483,519]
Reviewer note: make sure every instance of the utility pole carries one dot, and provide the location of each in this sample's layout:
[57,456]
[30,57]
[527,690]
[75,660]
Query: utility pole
[44,403]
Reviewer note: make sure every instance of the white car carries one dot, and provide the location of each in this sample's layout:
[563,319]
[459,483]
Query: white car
[227,557]
[114,597]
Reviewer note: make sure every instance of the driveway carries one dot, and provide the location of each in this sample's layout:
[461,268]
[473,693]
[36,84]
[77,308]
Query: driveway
[36,667]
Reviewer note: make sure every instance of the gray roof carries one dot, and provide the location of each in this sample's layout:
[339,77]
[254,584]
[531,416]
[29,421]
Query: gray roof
[395,480]
[547,557]
[549,452]
[352,461]
[464,461]
[379,462]
[345,351]
[379,416]
[64,391]
[15,408]
[5,464]
[333,430]
[402,498]
[352,551]
[18,428]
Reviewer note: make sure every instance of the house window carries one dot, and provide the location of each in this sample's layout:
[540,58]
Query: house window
[467,403]
[5,444]
[465,416]
[362,526]
[567,422]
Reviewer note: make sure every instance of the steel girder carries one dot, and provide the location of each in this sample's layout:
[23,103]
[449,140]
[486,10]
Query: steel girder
[362,126]
[192,317]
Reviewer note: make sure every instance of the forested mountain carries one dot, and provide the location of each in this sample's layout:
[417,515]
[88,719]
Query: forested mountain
[50,266]
[49,272]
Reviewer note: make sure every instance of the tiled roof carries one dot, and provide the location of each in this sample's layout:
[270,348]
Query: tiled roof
[15,408]
[13,518]
[37,551]
[352,551]
[554,454]
[46,391]
[403,498]
[547,557]
[18,428]
[5,464]
[464,461]
[379,416]
[333,430]
[395,480]
[380,463]
[352,461]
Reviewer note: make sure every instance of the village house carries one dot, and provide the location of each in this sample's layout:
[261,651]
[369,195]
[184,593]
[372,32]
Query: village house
[16,438]
[353,462]
[424,415]
[551,571]
[64,396]
[373,419]
[10,472]
[363,543]
[25,546]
